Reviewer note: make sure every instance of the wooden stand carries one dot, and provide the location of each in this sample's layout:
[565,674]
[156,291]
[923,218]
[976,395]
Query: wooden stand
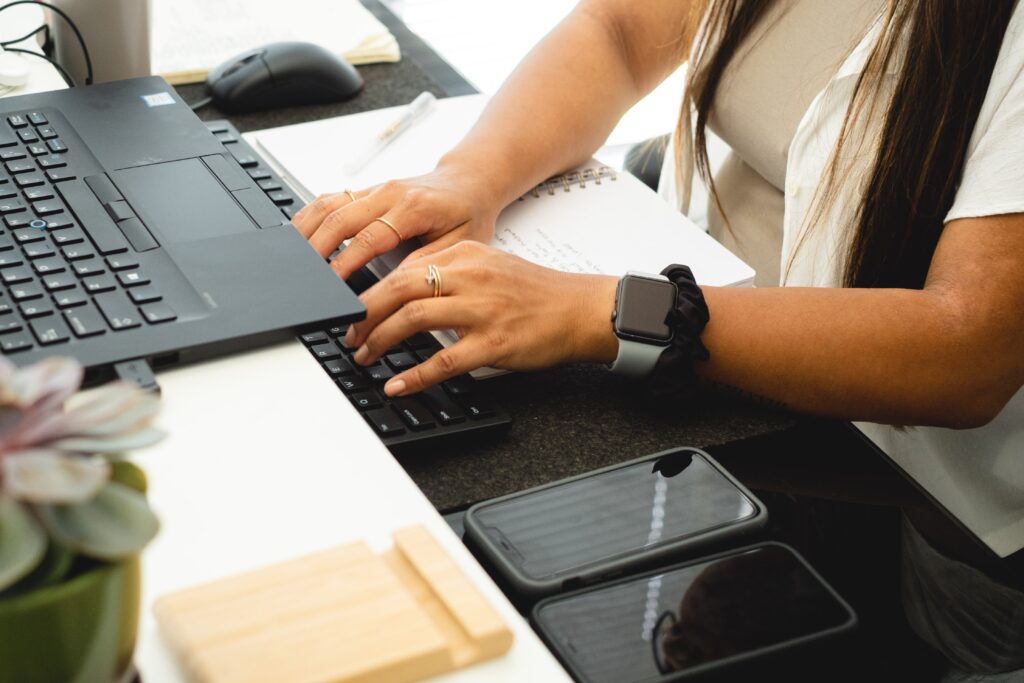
[338,616]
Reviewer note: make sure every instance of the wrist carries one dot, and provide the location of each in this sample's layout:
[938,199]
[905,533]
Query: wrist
[595,338]
[487,187]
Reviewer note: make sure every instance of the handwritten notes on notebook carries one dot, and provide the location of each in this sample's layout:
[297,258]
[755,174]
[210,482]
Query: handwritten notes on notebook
[192,36]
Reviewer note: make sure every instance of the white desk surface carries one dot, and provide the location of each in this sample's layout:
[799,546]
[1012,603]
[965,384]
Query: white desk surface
[266,460]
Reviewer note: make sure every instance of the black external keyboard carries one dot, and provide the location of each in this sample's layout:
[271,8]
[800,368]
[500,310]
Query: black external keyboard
[458,407]
[60,279]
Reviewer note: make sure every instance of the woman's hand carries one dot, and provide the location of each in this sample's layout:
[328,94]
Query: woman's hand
[508,312]
[443,207]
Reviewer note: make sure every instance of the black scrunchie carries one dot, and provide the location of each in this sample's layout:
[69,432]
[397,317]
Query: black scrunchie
[675,374]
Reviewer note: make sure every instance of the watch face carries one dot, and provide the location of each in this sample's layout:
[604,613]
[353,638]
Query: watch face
[643,306]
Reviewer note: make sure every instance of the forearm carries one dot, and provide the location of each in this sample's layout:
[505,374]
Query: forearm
[563,100]
[892,356]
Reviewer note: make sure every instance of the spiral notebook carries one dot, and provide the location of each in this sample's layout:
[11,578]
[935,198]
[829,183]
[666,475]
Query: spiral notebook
[593,219]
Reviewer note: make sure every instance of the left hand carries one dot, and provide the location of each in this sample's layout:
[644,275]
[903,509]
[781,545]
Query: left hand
[508,312]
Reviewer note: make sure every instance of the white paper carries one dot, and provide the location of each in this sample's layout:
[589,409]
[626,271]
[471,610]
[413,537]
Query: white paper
[192,36]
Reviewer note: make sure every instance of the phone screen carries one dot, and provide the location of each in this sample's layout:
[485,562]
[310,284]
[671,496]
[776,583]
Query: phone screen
[653,627]
[580,523]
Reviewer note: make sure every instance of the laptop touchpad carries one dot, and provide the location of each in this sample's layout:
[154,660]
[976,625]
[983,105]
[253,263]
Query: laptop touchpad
[182,201]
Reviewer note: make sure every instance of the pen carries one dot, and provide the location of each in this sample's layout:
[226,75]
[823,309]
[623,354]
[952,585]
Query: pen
[416,110]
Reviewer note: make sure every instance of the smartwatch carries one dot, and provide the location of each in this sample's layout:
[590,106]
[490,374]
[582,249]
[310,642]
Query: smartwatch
[642,305]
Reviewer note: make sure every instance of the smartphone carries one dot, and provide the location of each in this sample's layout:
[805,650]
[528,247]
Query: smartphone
[708,618]
[659,509]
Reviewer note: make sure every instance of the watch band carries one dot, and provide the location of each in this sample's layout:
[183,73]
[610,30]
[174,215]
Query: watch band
[636,359]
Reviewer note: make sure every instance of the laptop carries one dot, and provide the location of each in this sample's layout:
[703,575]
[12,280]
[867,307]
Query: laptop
[128,231]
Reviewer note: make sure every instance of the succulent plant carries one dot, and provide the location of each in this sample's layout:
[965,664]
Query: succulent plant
[66,490]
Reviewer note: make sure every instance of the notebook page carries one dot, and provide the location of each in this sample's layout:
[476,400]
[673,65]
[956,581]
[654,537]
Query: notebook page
[189,37]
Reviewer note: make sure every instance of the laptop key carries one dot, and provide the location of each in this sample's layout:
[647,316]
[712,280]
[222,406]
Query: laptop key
[59,175]
[281,198]
[46,132]
[15,342]
[56,145]
[259,173]
[83,203]
[28,135]
[5,307]
[85,321]
[132,278]
[29,235]
[70,298]
[58,281]
[12,276]
[118,310]
[77,252]
[37,193]
[20,166]
[38,250]
[413,413]
[144,295]
[10,259]
[48,265]
[9,326]
[26,291]
[158,313]
[384,422]
[6,242]
[17,121]
[38,150]
[28,180]
[11,206]
[11,154]
[47,208]
[88,268]
[35,309]
[17,220]
[122,262]
[51,161]
[37,118]
[8,192]
[50,330]
[99,283]
[68,237]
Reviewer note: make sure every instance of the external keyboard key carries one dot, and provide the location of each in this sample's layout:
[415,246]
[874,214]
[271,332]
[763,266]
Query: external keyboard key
[353,384]
[26,291]
[35,309]
[118,310]
[85,321]
[158,313]
[339,367]
[99,283]
[325,351]
[364,400]
[400,361]
[441,406]
[15,342]
[69,298]
[421,340]
[459,386]
[379,373]
[385,422]
[132,278]
[413,413]
[478,409]
[59,281]
[310,338]
[50,330]
[144,295]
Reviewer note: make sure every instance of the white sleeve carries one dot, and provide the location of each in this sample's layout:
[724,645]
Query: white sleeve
[993,178]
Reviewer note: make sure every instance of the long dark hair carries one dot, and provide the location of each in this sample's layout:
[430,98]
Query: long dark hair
[946,51]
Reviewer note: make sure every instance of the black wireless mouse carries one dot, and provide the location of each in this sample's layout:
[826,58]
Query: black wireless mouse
[282,75]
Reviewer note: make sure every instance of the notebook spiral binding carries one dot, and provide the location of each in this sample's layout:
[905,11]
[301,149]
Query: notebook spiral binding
[567,180]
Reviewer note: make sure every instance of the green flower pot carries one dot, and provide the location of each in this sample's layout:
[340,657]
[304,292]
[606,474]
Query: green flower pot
[79,631]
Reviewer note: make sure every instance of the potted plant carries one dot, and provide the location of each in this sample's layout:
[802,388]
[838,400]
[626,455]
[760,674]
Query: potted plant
[73,518]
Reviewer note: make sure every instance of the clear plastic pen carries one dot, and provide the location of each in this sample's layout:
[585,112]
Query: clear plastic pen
[416,110]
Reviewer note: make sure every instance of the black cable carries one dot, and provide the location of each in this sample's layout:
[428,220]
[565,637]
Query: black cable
[78,34]
[25,37]
[63,72]
[200,103]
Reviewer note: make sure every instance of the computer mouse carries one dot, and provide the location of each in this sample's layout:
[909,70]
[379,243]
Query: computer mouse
[282,75]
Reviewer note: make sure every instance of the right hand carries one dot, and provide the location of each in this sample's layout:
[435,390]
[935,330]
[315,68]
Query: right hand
[442,207]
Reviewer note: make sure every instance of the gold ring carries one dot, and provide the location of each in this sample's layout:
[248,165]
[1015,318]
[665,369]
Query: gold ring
[434,278]
[350,193]
[386,222]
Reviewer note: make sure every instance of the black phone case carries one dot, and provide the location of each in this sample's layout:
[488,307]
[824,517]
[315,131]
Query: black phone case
[720,668]
[528,589]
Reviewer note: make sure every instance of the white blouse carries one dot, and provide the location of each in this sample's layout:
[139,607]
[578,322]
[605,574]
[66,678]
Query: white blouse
[976,474]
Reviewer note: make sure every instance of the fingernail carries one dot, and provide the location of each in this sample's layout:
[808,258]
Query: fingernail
[360,355]
[350,338]
[395,387]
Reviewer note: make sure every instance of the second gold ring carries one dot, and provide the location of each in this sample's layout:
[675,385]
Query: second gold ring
[391,225]
[434,278]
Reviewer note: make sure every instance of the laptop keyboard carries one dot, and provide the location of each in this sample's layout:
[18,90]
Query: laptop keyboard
[457,407]
[66,270]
